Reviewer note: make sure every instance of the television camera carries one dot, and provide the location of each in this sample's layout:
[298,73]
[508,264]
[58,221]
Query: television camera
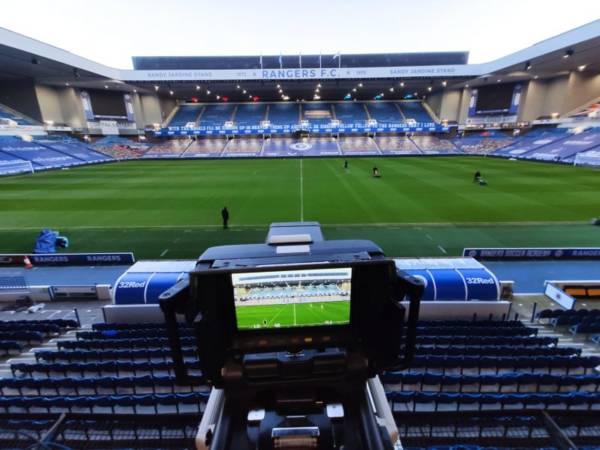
[292,335]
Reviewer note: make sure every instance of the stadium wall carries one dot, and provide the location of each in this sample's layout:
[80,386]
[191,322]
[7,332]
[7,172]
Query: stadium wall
[446,104]
[50,104]
[167,105]
[72,108]
[150,109]
[558,95]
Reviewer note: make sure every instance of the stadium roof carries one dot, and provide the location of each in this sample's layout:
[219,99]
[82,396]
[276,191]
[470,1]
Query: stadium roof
[392,74]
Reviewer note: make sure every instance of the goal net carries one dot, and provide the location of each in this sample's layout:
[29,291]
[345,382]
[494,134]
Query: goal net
[13,167]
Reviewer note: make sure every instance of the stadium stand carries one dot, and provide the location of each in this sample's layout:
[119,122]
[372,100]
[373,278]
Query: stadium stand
[351,113]
[563,149]
[120,148]
[205,148]
[172,148]
[73,147]
[433,145]
[40,155]
[466,365]
[250,114]
[385,112]
[186,115]
[7,114]
[216,115]
[533,140]
[394,145]
[283,114]
[358,145]
[491,430]
[317,113]
[483,143]
[243,147]
[416,111]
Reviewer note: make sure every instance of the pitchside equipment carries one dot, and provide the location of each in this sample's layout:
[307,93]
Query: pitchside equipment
[292,335]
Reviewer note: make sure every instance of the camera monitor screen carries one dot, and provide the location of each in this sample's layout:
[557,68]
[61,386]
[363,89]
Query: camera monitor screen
[292,298]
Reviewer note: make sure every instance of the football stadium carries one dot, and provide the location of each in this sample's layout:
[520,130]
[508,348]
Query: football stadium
[248,249]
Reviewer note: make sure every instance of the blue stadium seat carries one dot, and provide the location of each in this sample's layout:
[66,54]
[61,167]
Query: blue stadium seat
[184,115]
[250,114]
[284,114]
[385,112]
[416,111]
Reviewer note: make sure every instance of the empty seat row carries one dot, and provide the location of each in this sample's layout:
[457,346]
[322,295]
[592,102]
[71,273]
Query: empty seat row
[9,347]
[585,327]
[101,355]
[554,313]
[437,401]
[131,326]
[148,403]
[22,336]
[128,334]
[97,385]
[495,364]
[421,323]
[99,367]
[496,350]
[108,344]
[63,323]
[487,340]
[513,381]
[471,323]
[475,331]
[46,328]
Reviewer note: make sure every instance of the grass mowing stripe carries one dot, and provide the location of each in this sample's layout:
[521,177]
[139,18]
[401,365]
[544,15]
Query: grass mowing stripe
[147,206]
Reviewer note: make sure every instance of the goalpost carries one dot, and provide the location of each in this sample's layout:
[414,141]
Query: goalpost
[591,159]
[16,167]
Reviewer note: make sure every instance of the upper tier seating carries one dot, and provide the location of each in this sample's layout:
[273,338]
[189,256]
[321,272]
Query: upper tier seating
[284,114]
[185,115]
[8,113]
[250,114]
[385,112]
[317,113]
[351,113]
[216,115]
[416,111]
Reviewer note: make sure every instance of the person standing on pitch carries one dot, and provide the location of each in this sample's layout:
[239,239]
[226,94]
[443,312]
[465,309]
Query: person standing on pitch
[225,216]
[346,164]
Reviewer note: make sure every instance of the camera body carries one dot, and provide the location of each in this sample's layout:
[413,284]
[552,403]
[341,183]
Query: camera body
[291,336]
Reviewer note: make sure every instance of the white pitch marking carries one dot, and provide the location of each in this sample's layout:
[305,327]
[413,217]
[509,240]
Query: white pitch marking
[301,192]
[429,237]
[164,252]
[294,314]
[443,250]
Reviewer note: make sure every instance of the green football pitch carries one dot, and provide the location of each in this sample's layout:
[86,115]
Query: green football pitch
[419,207]
[294,314]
